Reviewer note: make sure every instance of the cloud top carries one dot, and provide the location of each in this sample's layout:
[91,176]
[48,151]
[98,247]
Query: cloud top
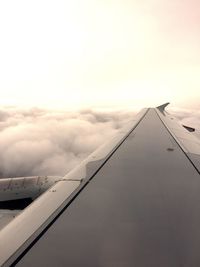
[45,142]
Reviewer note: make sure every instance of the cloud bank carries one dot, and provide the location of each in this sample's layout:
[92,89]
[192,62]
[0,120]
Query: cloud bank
[45,142]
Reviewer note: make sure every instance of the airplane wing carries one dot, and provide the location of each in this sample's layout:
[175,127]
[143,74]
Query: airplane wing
[133,202]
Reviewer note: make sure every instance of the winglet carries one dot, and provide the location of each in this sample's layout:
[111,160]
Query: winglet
[162,107]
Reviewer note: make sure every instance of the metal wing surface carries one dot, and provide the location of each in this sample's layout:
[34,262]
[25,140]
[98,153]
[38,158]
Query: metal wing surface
[134,202]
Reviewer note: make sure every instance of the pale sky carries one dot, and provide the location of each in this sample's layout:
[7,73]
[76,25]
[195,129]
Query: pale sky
[99,53]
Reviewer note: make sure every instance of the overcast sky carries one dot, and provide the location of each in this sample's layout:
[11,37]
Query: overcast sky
[99,53]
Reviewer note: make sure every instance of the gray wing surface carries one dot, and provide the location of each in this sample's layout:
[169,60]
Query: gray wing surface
[138,206]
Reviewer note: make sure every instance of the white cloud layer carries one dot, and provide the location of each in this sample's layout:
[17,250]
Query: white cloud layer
[45,142]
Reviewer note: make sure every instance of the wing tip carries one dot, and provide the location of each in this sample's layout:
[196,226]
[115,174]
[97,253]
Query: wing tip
[163,106]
